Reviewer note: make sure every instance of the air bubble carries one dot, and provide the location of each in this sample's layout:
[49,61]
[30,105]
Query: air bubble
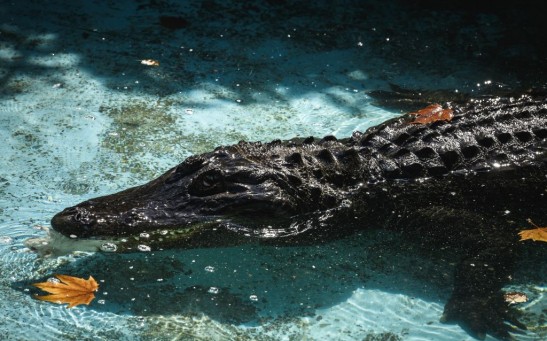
[109,247]
[213,290]
[209,268]
[144,235]
[144,248]
[345,203]
[253,298]
[53,280]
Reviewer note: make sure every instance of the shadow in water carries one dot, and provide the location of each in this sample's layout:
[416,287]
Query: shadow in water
[254,284]
[207,40]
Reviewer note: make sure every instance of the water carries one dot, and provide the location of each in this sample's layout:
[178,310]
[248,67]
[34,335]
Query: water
[81,116]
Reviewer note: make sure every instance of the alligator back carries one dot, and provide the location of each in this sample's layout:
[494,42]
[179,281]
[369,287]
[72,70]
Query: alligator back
[483,135]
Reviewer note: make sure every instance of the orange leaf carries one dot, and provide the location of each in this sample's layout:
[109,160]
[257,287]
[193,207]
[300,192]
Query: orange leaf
[537,234]
[432,113]
[150,62]
[71,290]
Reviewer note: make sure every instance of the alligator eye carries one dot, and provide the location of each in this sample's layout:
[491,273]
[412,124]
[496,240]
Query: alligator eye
[209,180]
[190,165]
[207,183]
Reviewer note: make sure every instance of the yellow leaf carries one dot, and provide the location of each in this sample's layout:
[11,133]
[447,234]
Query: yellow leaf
[537,234]
[71,290]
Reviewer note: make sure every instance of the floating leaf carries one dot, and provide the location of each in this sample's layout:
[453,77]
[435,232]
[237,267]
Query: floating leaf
[536,234]
[150,62]
[432,113]
[68,289]
[515,297]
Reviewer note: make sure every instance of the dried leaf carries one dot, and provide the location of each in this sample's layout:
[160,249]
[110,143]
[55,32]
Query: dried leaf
[536,234]
[539,234]
[150,62]
[432,113]
[71,290]
[515,297]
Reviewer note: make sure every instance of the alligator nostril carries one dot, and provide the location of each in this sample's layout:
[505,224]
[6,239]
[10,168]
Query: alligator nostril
[79,215]
[69,216]
[72,221]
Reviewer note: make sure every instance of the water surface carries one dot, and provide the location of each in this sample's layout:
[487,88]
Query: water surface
[81,116]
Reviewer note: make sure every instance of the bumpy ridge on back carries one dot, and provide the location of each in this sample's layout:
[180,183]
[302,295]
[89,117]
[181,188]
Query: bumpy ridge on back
[483,134]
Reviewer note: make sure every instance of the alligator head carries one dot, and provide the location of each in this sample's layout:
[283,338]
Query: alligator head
[226,197]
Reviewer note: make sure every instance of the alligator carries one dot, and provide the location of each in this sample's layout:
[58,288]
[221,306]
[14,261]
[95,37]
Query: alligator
[467,183]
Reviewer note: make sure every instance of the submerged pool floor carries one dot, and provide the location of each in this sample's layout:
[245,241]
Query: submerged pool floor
[81,115]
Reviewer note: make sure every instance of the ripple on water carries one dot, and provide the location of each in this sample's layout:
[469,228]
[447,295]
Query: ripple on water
[6,240]
[376,313]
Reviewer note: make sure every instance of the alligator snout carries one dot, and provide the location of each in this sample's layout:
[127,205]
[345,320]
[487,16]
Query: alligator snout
[72,221]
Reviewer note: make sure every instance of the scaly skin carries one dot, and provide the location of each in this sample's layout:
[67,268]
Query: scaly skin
[468,183]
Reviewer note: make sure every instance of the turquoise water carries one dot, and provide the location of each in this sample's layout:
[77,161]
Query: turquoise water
[81,116]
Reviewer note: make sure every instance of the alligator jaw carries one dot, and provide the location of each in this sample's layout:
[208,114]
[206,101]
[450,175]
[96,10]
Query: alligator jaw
[55,244]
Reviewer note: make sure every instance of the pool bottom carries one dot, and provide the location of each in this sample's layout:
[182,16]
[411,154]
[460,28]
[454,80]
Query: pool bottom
[373,286]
